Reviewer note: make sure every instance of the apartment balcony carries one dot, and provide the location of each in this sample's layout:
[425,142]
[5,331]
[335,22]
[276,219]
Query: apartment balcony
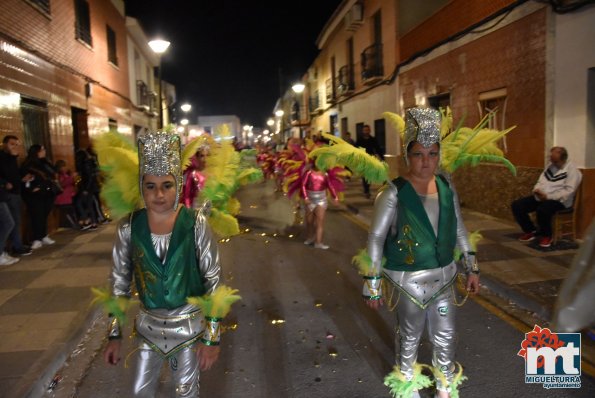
[146,99]
[372,70]
[330,91]
[345,81]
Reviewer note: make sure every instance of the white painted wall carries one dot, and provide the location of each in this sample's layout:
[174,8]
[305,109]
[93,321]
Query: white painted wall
[368,107]
[574,54]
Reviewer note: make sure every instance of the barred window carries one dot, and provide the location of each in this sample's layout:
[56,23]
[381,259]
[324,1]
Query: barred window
[112,55]
[82,21]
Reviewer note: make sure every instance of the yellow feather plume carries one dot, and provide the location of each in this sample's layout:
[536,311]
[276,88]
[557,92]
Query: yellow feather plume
[217,304]
[190,149]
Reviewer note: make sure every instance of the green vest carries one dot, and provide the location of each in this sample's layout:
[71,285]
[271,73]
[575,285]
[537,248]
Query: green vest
[415,246]
[168,284]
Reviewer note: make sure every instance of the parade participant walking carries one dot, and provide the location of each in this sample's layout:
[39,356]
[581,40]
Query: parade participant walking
[314,186]
[170,251]
[416,225]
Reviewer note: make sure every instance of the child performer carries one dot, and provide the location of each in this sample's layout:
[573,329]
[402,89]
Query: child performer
[169,250]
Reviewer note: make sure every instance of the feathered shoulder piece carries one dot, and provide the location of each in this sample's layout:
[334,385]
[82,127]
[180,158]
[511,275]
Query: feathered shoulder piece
[118,158]
[463,145]
[342,154]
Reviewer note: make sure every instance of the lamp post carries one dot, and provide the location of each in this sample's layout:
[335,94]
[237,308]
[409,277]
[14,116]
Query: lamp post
[298,88]
[159,47]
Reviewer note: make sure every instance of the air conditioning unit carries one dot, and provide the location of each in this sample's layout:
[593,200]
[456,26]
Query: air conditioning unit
[354,17]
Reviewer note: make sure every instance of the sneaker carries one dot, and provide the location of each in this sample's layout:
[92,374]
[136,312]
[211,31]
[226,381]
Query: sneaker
[24,251]
[321,246]
[36,244]
[84,227]
[5,259]
[545,241]
[309,242]
[528,237]
[48,241]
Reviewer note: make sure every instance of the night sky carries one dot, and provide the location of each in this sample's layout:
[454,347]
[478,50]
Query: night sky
[225,55]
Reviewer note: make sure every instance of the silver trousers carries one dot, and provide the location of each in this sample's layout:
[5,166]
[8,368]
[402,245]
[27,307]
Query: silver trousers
[440,316]
[183,366]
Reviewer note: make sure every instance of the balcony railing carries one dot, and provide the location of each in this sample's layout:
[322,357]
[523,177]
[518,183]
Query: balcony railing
[330,91]
[146,98]
[314,102]
[372,63]
[345,81]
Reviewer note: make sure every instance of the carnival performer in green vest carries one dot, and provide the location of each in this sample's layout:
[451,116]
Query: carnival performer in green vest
[170,254]
[416,225]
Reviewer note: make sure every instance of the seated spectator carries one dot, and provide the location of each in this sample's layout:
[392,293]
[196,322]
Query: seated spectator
[65,200]
[553,192]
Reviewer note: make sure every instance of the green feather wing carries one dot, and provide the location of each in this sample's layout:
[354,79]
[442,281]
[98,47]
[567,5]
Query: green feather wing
[119,160]
[343,154]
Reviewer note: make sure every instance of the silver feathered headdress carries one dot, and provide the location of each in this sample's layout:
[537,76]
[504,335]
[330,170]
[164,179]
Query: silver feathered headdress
[422,125]
[159,155]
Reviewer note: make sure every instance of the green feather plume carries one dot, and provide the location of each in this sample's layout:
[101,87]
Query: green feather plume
[250,176]
[470,146]
[218,303]
[343,154]
[457,380]
[223,223]
[400,387]
[119,160]
[363,262]
[112,305]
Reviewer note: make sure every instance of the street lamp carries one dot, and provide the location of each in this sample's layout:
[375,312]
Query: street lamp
[279,113]
[159,47]
[186,108]
[270,122]
[184,122]
[298,88]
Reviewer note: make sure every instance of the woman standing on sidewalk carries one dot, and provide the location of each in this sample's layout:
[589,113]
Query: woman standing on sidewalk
[39,194]
[416,225]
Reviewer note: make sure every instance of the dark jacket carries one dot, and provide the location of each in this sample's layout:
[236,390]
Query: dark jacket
[44,174]
[9,172]
[370,145]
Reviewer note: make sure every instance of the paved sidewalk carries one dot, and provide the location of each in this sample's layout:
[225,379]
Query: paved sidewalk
[44,298]
[44,306]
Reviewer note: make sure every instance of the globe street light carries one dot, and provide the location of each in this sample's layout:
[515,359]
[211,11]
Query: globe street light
[279,113]
[298,88]
[186,108]
[159,47]
[184,122]
[270,122]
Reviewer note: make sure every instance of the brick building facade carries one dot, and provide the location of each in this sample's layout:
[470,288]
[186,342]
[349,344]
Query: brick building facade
[63,72]
[476,56]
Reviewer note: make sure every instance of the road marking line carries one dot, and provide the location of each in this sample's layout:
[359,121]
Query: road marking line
[586,367]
